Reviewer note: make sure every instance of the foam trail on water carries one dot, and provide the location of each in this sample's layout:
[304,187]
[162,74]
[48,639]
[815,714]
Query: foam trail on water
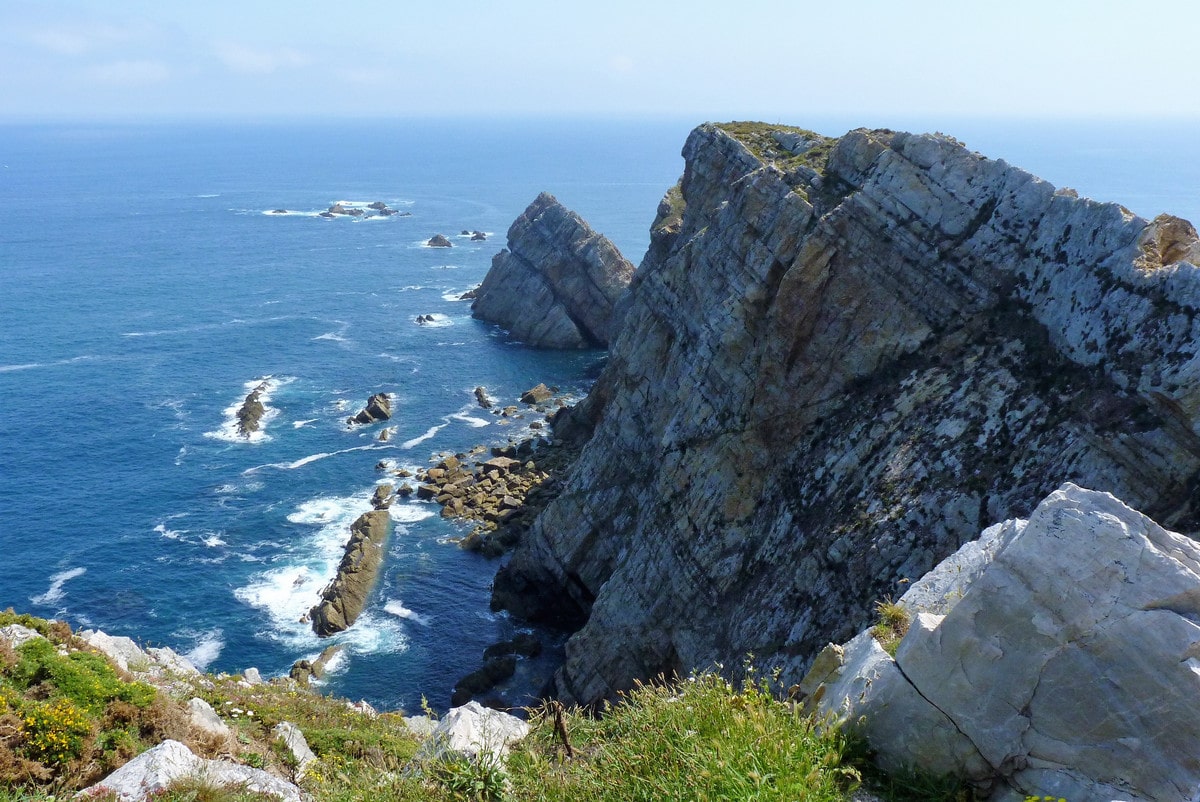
[432,431]
[207,649]
[397,608]
[300,463]
[55,592]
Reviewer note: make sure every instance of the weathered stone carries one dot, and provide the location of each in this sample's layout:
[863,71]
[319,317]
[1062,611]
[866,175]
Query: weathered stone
[827,379]
[250,413]
[15,635]
[476,732]
[205,719]
[379,407]
[149,775]
[536,395]
[557,284]
[439,241]
[1055,667]
[294,741]
[345,596]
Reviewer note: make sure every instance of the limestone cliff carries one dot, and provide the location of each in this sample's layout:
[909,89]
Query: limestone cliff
[840,360]
[557,284]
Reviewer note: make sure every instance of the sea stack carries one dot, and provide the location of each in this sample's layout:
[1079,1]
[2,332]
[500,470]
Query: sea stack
[557,284]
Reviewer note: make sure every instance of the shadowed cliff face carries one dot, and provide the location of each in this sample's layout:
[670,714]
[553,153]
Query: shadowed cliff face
[840,361]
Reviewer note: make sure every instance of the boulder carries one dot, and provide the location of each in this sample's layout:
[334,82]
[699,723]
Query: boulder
[476,732]
[15,635]
[481,396]
[439,241]
[557,283]
[536,395]
[478,236]
[292,739]
[250,413]
[149,774]
[378,408]
[204,718]
[1058,660]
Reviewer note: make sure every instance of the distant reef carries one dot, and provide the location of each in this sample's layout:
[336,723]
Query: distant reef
[557,284]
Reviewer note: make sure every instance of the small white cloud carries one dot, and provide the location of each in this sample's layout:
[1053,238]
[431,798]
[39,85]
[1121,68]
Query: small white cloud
[240,58]
[76,40]
[129,73]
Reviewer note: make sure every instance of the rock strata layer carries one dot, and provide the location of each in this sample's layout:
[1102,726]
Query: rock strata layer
[344,597]
[840,360]
[1044,659]
[557,284]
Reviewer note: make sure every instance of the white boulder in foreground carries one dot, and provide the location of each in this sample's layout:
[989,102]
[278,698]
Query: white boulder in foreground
[477,732]
[154,770]
[1060,657]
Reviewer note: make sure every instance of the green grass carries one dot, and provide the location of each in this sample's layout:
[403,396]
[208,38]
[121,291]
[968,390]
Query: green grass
[758,138]
[892,626]
[697,739]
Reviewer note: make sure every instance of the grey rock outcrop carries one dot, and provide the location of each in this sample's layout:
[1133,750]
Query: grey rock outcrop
[439,241]
[837,366]
[476,732]
[250,413]
[344,598]
[557,284]
[1053,665]
[296,744]
[378,408]
[150,773]
[202,717]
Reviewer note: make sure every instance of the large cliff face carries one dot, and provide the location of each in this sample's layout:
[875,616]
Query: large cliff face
[840,361]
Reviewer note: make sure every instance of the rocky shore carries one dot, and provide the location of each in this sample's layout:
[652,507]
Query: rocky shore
[250,414]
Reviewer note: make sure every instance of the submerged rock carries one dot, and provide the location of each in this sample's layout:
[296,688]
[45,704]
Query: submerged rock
[558,283]
[838,365]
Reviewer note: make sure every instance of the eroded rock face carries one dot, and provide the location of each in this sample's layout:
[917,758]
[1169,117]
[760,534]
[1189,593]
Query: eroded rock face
[379,407]
[1058,666]
[557,284]
[839,362]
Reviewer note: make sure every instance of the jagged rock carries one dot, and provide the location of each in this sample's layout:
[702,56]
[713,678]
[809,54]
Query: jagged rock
[379,407]
[305,670]
[439,241]
[381,499]
[345,596]
[476,732]
[15,635]
[420,726]
[469,295]
[524,644]
[494,671]
[120,649]
[205,719]
[149,774]
[536,395]
[294,741]
[251,676]
[378,206]
[250,413]
[478,236]
[481,396]
[833,370]
[558,282]
[1052,665]
[279,211]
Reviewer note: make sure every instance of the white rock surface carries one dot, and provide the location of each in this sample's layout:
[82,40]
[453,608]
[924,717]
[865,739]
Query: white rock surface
[154,770]
[296,743]
[16,634]
[204,718]
[252,676]
[1069,666]
[118,648]
[478,732]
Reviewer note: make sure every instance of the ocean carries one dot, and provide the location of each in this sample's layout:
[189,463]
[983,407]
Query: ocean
[146,288]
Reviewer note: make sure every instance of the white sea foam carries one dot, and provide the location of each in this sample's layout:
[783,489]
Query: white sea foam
[397,608]
[454,295]
[207,649]
[213,539]
[300,463]
[338,335]
[471,420]
[431,432]
[55,592]
[210,195]
[302,423]
[169,534]
[179,456]
[56,363]
[436,321]
[409,513]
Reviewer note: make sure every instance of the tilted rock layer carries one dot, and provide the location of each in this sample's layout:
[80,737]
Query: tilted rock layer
[558,283]
[1055,657]
[840,361]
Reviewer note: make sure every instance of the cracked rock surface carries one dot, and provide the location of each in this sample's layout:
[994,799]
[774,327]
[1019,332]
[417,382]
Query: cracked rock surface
[1064,665]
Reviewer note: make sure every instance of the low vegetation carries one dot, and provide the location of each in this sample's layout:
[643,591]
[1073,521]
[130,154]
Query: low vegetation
[767,143]
[68,717]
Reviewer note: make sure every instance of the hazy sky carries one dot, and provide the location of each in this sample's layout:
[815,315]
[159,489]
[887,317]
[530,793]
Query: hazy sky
[763,59]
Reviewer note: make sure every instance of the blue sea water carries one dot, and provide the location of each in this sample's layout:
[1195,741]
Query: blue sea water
[145,289]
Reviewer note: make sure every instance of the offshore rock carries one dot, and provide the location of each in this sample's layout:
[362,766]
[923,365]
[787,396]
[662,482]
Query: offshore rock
[557,284]
[379,407]
[840,361]
[345,596]
[1056,664]
[250,413]
[439,241]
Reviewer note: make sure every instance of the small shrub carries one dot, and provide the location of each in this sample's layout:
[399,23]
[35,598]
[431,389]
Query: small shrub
[893,625]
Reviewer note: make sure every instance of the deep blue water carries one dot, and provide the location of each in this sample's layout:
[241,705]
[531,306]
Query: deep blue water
[144,291]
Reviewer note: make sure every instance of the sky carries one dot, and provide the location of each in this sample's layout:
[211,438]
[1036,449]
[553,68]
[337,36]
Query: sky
[738,59]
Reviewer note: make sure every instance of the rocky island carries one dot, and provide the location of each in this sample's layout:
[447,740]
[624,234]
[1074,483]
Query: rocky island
[557,284]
